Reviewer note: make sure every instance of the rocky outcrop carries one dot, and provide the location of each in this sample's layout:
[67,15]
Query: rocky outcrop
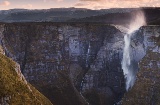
[146,90]
[14,89]
[1,50]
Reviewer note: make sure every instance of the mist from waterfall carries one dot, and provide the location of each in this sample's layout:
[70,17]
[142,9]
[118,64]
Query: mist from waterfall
[138,20]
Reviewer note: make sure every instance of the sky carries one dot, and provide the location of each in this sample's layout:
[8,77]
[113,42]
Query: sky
[91,4]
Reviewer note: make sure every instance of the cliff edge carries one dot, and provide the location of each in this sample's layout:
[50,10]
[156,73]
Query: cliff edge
[14,89]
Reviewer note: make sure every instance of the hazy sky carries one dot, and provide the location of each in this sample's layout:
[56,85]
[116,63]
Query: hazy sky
[92,4]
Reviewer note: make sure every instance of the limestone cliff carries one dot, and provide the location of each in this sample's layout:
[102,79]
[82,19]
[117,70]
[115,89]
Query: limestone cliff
[146,90]
[66,61]
[56,56]
[14,89]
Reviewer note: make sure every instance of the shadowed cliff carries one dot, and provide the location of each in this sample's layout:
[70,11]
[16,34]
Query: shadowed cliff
[14,89]
[78,63]
[55,58]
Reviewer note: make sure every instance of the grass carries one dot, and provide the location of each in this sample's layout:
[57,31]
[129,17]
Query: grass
[12,86]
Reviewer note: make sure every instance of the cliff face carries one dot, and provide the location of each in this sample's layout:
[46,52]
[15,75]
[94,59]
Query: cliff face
[146,90]
[55,55]
[14,89]
[63,60]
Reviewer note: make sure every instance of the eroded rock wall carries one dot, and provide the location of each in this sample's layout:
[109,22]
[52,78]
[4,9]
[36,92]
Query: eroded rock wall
[14,89]
[50,52]
[73,58]
[146,90]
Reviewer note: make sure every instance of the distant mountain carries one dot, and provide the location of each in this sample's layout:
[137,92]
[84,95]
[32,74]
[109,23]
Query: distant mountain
[109,16]
[152,17]
[53,14]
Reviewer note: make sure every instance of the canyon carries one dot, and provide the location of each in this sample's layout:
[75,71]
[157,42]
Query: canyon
[80,63]
[14,89]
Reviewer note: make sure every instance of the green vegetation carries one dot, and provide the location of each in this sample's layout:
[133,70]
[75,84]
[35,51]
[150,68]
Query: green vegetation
[12,86]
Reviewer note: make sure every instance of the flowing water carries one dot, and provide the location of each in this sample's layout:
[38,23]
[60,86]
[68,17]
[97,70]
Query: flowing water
[136,22]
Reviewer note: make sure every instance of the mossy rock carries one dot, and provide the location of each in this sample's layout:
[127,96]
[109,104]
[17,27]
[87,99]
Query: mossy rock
[14,89]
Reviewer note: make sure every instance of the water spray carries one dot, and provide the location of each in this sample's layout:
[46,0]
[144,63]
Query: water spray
[138,20]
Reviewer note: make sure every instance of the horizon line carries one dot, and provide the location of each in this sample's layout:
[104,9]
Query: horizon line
[79,8]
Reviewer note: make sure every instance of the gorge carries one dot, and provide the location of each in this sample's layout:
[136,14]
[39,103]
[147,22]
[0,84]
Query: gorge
[57,57]
[85,63]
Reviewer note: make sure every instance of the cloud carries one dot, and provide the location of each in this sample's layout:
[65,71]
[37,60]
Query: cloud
[103,4]
[52,0]
[80,4]
[5,3]
[27,6]
[59,0]
[92,0]
[120,0]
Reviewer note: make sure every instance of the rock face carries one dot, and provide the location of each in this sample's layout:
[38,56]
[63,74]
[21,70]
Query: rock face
[146,90]
[14,89]
[67,60]
[53,54]
[1,50]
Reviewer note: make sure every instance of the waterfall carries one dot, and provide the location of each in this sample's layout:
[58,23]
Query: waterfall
[126,62]
[138,20]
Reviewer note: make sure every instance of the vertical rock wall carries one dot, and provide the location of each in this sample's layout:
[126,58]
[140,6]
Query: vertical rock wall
[52,55]
[146,90]
[59,58]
